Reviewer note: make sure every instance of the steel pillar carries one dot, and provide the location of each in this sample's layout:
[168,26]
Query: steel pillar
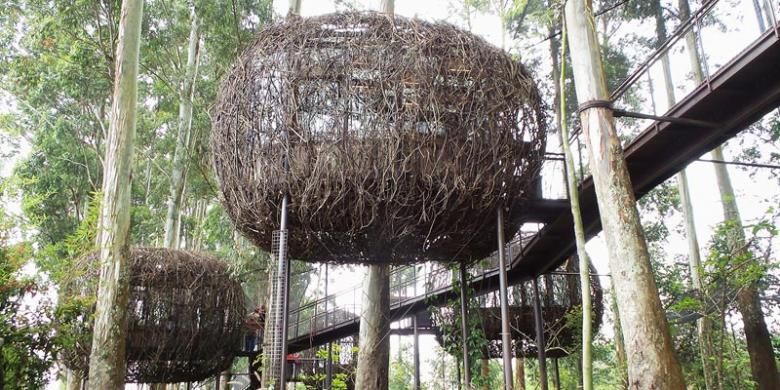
[506,336]
[540,342]
[416,354]
[464,318]
[329,363]
[284,269]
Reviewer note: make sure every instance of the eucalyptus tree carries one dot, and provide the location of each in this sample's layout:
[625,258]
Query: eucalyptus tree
[184,127]
[107,358]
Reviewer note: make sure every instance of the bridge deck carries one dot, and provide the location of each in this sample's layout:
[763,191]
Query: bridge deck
[741,92]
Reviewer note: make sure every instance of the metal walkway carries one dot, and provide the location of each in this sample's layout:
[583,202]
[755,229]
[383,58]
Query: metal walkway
[736,92]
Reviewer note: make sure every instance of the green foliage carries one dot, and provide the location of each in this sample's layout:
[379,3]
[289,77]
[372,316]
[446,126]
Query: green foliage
[449,320]
[401,370]
[737,260]
[27,344]
[339,380]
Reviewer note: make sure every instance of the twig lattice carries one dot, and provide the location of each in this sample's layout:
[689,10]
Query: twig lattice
[185,316]
[395,141]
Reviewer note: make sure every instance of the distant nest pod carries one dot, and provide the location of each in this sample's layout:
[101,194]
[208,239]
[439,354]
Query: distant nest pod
[395,141]
[185,316]
[561,304]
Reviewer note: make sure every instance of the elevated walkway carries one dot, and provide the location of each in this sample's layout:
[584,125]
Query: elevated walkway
[740,92]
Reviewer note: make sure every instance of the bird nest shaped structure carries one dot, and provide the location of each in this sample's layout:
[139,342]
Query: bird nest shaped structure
[395,141]
[185,316]
[561,304]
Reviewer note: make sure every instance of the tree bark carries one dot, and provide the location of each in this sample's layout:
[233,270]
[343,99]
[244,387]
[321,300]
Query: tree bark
[73,379]
[520,373]
[107,359]
[579,230]
[759,342]
[485,372]
[652,363]
[703,324]
[225,377]
[295,7]
[179,169]
[374,353]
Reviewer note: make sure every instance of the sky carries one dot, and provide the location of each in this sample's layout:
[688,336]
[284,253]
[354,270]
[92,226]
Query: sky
[754,192]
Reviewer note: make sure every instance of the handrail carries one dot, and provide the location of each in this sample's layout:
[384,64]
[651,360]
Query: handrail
[660,51]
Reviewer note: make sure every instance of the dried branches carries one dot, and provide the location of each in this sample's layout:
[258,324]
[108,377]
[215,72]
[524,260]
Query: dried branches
[185,316]
[396,142]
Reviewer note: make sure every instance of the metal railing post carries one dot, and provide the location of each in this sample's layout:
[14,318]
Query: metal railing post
[464,313]
[506,336]
[540,342]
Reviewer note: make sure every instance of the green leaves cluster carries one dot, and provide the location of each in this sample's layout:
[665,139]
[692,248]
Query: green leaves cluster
[448,318]
[27,345]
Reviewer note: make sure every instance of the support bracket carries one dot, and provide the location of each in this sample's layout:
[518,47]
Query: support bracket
[619,112]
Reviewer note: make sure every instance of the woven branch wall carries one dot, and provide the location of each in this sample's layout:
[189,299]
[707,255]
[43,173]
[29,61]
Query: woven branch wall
[561,303]
[185,316]
[396,141]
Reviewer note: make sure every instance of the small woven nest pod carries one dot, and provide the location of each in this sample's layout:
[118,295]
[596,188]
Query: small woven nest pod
[395,141]
[185,316]
[561,304]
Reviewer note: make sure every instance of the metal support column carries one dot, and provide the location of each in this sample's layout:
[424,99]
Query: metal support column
[329,363]
[416,354]
[506,336]
[540,342]
[274,372]
[284,269]
[464,318]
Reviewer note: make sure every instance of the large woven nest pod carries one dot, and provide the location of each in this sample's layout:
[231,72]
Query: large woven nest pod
[185,316]
[561,304]
[395,141]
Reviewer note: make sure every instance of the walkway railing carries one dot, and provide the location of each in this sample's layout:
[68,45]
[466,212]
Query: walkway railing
[702,39]
[406,283]
[696,49]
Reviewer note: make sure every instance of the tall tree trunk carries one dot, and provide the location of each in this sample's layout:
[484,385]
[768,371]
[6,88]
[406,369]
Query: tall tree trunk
[652,363]
[485,373]
[579,230]
[179,169]
[107,359]
[374,352]
[703,326]
[73,379]
[520,373]
[295,7]
[759,342]
[555,51]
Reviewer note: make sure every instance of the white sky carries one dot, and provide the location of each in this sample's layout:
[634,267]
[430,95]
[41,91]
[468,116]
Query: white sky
[753,193]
